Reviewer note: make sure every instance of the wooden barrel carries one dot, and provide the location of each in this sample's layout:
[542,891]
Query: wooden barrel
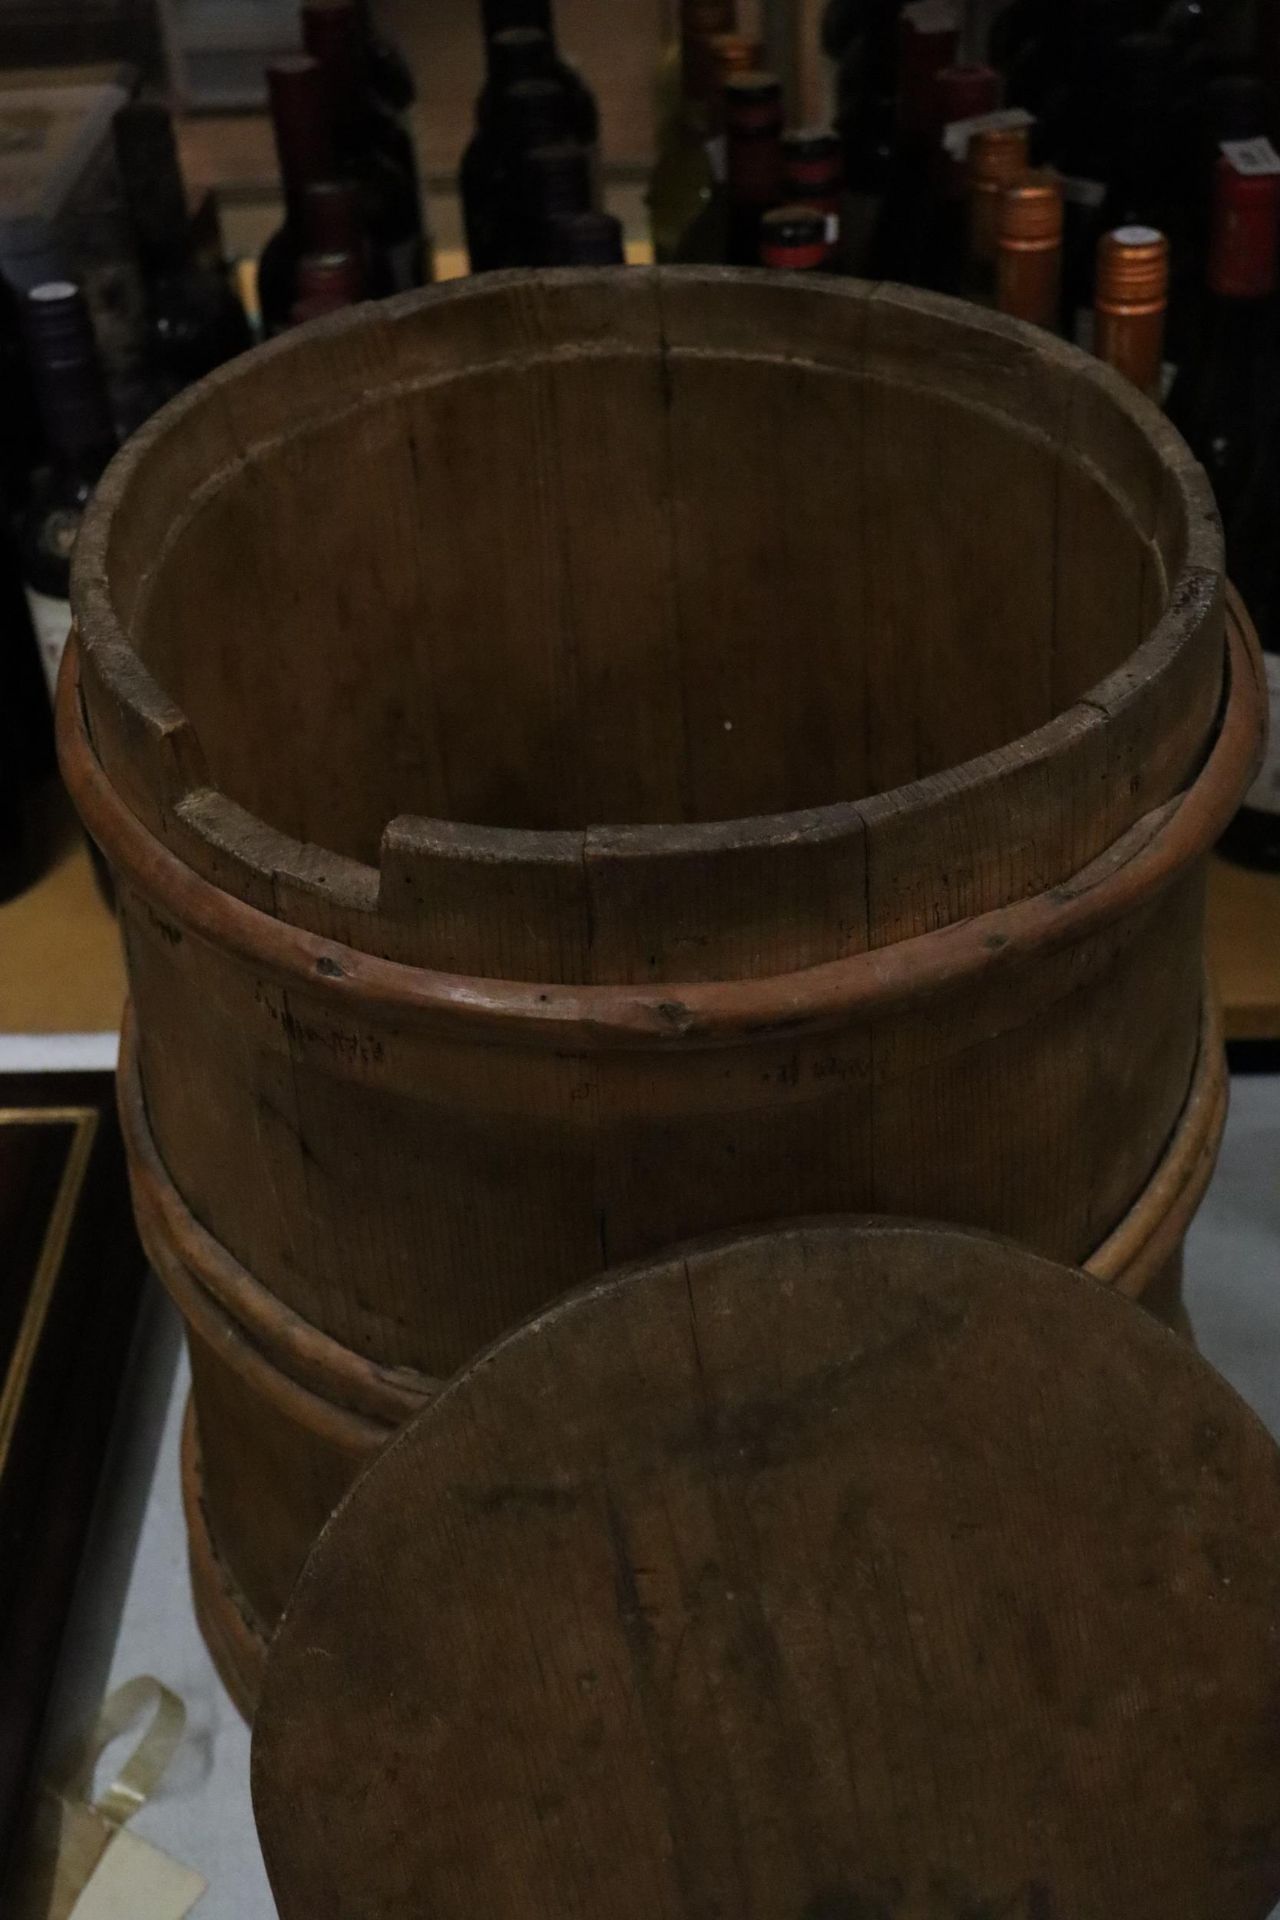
[599,757]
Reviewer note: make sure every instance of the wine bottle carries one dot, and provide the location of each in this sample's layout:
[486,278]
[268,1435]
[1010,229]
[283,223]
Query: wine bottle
[794,239]
[554,182]
[390,74]
[997,157]
[813,176]
[372,147]
[753,128]
[1029,250]
[962,94]
[194,320]
[27,762]
[505,16]
[585,239]
[696,22]
[76,413]
[526,116]
[517,55]
[690,163]
[927,40]
[306,152]
[1130,298]
[1136,168]
[332,223]
[327,282]
[1215,400]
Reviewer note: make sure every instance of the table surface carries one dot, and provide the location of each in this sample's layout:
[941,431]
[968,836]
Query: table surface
[133,1612]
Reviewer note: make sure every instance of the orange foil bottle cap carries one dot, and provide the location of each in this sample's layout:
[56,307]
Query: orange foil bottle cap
[734,53]
[1030,213]
[1133,271]
[997,156]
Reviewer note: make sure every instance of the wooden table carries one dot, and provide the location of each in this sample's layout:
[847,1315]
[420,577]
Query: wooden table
[1244,949]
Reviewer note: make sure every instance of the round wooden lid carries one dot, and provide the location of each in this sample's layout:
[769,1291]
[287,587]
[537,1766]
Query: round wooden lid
[851,1571]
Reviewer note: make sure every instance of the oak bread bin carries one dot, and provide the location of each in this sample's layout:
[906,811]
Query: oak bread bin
[852,1571]
[599,757]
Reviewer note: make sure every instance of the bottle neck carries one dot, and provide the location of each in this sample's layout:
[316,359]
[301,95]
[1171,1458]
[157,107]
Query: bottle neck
[70,388]
[333,36]
[303,127]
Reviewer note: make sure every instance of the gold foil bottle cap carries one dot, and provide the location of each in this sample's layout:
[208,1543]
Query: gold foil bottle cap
[1031,212]
[1133,270]
[732,53]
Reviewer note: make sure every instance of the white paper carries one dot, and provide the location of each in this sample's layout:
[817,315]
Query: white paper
[134,1881]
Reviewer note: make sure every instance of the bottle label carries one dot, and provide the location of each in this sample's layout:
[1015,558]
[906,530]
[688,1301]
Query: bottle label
[718,158]
[1264,795]
[1083,193]
[832,229]
[51,620]
[1252,157]
[957,134]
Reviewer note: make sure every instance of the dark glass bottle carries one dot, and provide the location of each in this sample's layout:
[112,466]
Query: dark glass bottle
[332,223]
[586,239]
[373,148]
[306,153]
[526,116]
[867,33]
[521,54]
[753,130]
[926,45]
[553,182]
[961,93]
[390,74]
[76,414]
[794,240]
[27,763]
[502,16]
[1220,393]
[813,176]
[327,282]
[194,320]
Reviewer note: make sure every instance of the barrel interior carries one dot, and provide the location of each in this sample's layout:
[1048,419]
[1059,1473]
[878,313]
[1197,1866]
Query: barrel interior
[603,553]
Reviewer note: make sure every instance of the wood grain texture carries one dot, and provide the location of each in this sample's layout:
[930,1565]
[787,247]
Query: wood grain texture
[594,758]
[262,1372]
[796,1575]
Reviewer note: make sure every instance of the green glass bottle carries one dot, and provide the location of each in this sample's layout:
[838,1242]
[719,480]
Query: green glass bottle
[690,162]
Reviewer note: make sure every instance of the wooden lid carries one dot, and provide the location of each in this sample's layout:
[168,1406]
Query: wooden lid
[854,1569]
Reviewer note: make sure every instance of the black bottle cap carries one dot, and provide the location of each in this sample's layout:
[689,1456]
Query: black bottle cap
[70,387]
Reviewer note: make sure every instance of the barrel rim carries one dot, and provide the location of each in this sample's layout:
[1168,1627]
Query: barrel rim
[160,729]
[1144,862]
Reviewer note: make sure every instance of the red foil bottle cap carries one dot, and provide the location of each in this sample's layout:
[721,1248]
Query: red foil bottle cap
[963,92]
[1246,220]
[794,238]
